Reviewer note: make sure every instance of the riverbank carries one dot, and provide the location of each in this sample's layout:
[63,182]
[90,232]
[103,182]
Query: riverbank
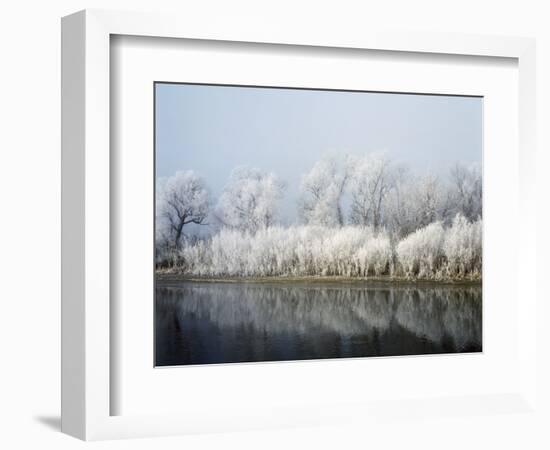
[169,276]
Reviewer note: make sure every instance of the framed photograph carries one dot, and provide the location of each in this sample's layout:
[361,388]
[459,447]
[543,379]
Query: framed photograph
[289,223]
[274,243]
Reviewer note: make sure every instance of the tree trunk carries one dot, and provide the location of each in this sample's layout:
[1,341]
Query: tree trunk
[179,232]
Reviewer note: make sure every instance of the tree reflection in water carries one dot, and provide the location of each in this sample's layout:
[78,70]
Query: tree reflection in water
[201,322]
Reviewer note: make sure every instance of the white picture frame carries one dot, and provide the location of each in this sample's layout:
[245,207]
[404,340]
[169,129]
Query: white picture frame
[86,217]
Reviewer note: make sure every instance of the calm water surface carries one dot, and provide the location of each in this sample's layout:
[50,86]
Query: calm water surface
[203,323]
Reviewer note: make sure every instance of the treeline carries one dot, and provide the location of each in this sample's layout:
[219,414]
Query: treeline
[359,216]
[434,252]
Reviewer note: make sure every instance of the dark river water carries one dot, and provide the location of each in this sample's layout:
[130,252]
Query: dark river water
[204,323]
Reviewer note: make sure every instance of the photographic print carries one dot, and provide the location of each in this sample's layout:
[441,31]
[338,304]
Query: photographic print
[299,224]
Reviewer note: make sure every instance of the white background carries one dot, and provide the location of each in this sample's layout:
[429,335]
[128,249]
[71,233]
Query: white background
[30,187]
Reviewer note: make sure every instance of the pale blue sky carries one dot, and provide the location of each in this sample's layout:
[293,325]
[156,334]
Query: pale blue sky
[212,129]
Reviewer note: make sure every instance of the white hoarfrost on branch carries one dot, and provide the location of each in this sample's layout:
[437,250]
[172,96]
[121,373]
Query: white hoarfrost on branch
[465,192]
[463,248]
[420,254]
[250,200]
[435,252]
[370,184]
[413,203]
[290,251]
[182,199]
[322,189]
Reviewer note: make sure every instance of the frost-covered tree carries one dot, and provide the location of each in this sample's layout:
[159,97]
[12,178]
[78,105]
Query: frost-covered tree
[370,182]
[466,192]
[413,202]
[250,200]
[400,205]
[421,253]
[322,189]
[463,247]
[182,199]
[454,252]
[427,200]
